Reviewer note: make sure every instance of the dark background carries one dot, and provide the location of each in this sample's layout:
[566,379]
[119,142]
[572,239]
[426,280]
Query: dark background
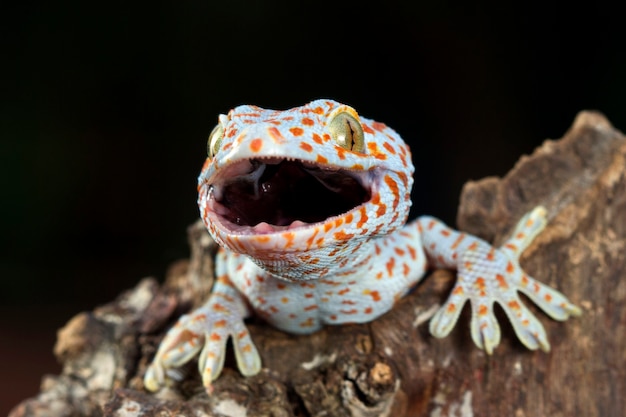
[106,108]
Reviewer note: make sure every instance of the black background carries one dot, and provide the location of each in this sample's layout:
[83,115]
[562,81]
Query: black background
[106,108]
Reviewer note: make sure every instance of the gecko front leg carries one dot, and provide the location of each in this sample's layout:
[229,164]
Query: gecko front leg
[487,275]
[206,330]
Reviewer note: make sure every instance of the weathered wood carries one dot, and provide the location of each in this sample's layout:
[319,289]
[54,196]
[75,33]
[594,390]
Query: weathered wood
[393,367]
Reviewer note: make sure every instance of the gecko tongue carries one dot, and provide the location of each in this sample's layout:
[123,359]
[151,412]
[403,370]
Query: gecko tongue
[286,194]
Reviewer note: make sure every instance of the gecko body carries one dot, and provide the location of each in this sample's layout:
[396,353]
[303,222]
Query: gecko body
[309,206]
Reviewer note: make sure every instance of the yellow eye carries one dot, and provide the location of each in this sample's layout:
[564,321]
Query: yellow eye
[215,140]
[347,131]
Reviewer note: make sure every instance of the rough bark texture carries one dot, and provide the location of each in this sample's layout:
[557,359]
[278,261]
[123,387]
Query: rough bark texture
[393,367]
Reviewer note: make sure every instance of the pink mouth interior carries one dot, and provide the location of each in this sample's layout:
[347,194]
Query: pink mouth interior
[285,194]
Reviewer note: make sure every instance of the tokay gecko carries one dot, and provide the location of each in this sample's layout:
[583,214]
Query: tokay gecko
[309,207]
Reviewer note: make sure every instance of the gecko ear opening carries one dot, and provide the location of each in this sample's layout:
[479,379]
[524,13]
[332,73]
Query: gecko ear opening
[346,130]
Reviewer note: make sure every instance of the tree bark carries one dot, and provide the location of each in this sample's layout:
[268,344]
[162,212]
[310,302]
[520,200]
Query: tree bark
[392,366]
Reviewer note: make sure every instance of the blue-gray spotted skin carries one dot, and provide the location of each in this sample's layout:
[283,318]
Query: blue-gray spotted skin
[309,206]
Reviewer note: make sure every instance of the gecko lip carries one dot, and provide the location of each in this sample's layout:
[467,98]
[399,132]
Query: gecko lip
[273,194]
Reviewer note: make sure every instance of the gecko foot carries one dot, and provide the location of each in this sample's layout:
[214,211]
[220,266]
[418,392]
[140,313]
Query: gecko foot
[487,275]
[206,330]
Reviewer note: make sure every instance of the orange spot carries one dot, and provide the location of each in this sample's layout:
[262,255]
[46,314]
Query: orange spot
[311,307]
[367,129]
[242,334]
[392,184]
[349,217]
[296,131]
[215,337]
[341,235]
[318,110]
[458,240]
[511,246]
[390,264]
[513,305]
[390,148]
[308,323]
[220,323]
[405,269]
[363,218]
[379,275]
[284,300]
[344,291]
[256,145]
[399,251]
[451,308]
[547,297]
[353,311]
[379,126]
[491,254]
[310,240]
[510,268]
[247,348]
[368,310]
[430,225]
[306,147]
[309,295]
[374,294]
[445,232]
[199,317]
[412,252]
[333,317]
[289,237]
[262,238]
[341,152]
[357,167]
[275,134]
[524,280]
[382,209]
[473,246]
[321,160]
[317,139]
[501,281]
[281,286]
[458,291]
[219,307]
[520,235]
[307,122]
[480,283]
[482,310]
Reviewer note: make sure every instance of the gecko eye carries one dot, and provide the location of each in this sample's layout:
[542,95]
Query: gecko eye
[347,131]
[215,140]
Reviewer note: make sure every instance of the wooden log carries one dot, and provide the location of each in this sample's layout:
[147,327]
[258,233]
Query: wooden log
[392,366]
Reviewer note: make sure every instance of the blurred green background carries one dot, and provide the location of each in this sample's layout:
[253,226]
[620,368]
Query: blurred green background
[106,108]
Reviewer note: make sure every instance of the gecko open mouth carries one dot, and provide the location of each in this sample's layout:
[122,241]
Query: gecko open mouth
[284,193]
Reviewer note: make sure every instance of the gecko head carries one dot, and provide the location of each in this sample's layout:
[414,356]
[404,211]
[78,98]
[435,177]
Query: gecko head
[317,180]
